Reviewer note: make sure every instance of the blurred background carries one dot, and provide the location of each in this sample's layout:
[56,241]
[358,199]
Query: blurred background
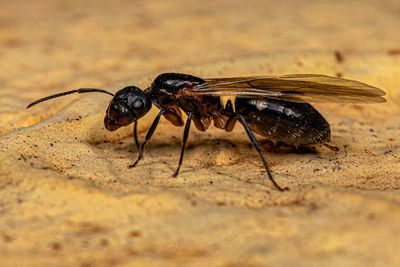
[68,198]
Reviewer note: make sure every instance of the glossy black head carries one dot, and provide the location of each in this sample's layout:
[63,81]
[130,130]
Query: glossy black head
[127,106]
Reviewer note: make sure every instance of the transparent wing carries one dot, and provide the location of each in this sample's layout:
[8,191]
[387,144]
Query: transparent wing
[296,87]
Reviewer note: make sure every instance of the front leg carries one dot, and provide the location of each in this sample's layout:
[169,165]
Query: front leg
[185,137]
[148,136]
[171,114]
[136,139]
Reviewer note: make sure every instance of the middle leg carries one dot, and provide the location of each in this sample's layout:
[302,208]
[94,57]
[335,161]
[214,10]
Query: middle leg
[185,137]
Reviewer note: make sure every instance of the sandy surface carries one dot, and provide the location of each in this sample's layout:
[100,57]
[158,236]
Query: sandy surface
[67,197]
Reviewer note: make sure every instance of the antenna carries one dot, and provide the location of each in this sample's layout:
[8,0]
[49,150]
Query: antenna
[79,91]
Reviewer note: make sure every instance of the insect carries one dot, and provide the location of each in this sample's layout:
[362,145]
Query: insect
[276,108]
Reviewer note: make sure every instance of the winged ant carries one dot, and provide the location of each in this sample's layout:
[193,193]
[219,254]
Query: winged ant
[276,108]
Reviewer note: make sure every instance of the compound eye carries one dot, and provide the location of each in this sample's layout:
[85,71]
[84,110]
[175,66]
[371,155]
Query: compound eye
[138,104]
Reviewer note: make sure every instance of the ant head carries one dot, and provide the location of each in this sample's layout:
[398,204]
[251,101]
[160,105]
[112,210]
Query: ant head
[127,106]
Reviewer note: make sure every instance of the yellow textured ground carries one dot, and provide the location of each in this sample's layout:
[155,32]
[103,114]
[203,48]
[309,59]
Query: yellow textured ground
[67,197]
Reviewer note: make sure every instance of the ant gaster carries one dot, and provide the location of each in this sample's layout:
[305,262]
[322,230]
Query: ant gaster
[273,107]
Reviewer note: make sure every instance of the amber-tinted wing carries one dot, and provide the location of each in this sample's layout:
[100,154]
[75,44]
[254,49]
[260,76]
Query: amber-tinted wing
[296,87]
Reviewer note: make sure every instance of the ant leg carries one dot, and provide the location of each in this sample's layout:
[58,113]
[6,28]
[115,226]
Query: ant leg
[185,137]
[136,139]
[148,136]
[253,139]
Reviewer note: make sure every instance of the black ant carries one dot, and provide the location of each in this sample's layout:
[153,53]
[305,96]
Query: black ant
[273,107]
